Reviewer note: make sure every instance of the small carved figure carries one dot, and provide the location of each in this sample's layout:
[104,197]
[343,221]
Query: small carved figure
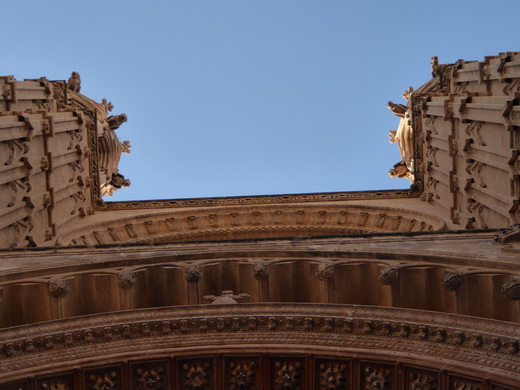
[400,170]
[119,181]
[114,121]
[436,68]
[74,83]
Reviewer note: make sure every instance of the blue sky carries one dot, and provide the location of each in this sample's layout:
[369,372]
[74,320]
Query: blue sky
[237,97]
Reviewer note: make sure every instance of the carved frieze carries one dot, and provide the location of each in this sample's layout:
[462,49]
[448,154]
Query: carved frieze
[103,380]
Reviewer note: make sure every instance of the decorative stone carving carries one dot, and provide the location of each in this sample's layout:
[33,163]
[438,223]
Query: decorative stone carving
[242,375]
[333,376]
[115,121]
[388,275]
[125,145]
[325,271]
[149,378]
[108,106]
[260,270]
[74,83]
[288,375]
[378,378]
[422,381]
[125,278]
[511,290]
[193,273]
[56,384]
[58,287]
[452,281]
[464,385]
[196,376]
[103,381]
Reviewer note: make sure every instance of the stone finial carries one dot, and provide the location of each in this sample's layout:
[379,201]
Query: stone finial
[260,270]
[193,273]
[74,83]
[511,290]
[58,287]
[125,278]
[325,271]
[125,145]
[107,105]
[452,281]
[388,275]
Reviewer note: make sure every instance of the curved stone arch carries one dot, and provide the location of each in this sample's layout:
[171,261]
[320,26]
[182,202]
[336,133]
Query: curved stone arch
[433,340]
[262,221]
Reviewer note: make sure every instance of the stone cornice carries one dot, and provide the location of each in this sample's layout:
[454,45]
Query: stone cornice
[437,339]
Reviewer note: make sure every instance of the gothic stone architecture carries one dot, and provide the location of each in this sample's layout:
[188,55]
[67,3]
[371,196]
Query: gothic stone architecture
[414,289]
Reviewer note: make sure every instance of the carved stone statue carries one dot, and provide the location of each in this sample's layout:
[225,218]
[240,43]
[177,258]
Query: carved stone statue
[398,109]
[436,68]
[119,181]
[114,121]
[74,83]
[400,170]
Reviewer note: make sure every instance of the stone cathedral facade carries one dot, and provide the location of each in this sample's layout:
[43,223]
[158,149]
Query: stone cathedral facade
[411,289]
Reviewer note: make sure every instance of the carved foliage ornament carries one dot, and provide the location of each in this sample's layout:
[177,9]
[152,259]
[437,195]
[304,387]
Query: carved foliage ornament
[422,381]
[58,287]
[193,273]
[511,290]
[333,376]
[125,278]
[452,281]
[196,376]
[260,270]
[149,378]
[325,271]
[103,381]
[388,275]
[288,375]
[242,375]
[378,378]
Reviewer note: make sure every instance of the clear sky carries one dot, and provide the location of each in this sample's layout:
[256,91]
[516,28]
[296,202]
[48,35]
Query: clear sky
[251,97]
